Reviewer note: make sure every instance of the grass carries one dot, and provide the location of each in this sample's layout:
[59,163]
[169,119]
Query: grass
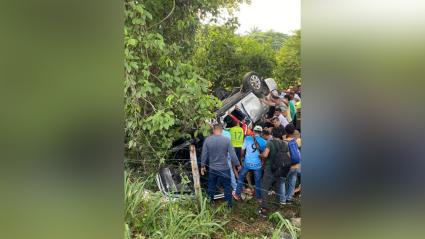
[245,222]
[150,215]
[283,223]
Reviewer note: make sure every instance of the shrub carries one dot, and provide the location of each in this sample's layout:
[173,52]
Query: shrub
[153,216]
[281,223]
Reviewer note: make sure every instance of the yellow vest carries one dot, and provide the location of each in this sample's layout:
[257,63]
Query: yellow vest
[236,136]
[298,105]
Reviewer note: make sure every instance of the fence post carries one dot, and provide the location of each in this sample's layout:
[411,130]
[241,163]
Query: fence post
[195,170]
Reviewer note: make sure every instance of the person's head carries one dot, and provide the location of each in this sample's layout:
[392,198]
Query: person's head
[292,95]
[297,98]
[287,97]
[277,111]
[217,129]
[266,133]
[297,134]
[275,122]
[277,133]
[290,129]
[258,129]
[274,94]
[281,111]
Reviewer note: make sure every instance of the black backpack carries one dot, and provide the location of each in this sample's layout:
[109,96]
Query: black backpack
[281,162]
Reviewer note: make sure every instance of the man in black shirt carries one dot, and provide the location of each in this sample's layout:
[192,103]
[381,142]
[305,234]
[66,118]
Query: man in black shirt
[278,126]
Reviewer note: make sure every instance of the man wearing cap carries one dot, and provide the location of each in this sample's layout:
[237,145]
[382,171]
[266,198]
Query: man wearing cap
[273,100]
[252,147]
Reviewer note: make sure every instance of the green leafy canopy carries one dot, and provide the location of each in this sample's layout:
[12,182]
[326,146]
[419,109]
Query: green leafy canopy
[165,96]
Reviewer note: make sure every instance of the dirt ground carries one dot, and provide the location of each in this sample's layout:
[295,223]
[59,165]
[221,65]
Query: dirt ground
[245,221]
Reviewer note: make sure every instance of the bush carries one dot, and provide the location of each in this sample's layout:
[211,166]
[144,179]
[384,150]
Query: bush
[283,223]
[150,215]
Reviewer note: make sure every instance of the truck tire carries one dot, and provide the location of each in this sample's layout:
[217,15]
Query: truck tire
[253,82]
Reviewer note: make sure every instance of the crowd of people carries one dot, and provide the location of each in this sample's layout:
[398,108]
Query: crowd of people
[261,159]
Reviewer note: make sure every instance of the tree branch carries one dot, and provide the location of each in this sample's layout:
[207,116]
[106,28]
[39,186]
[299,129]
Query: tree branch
[169,15]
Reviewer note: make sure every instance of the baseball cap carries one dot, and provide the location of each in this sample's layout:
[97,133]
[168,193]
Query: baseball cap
[275,94]
[258,128]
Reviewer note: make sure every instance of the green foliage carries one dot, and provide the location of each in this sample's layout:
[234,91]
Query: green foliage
[215,56]
[165,97]
[150,215]
[275,39]
[283,223]
[255,56]
[288,69]
[172,62]
[224,57]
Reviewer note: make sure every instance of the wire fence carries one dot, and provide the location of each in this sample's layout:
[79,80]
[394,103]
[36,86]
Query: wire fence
[265,192]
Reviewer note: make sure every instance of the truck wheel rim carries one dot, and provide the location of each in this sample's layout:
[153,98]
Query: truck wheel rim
[255,82]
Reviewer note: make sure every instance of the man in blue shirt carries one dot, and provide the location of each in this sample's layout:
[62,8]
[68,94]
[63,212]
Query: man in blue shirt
[251,150]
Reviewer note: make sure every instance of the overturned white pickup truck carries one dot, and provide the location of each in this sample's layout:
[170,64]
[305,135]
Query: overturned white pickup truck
[246,99]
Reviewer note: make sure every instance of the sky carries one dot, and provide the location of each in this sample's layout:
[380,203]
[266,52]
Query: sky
[278,15]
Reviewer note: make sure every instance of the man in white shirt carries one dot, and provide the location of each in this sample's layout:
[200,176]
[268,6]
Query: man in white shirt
[282,117]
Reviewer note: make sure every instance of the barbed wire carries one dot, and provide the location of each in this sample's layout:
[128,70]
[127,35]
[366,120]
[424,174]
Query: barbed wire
[246,184]
[264,196]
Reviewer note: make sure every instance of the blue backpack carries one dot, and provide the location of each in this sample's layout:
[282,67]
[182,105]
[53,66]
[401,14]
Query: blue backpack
[294,152]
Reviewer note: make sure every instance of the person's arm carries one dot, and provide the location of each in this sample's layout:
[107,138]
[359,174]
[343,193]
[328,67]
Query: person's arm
[232,154]
[204,157]
[266,152]
[264,155]
[287,148]
[243,149]
[234,118]
[268,102]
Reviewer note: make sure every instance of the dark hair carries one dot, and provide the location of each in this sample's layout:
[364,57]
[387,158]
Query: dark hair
[266,132]
[287,97]
[290,129]
[279,109]
[275,118]
[277,132]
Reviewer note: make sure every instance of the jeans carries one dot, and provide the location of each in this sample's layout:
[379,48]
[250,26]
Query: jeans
[238,151]
[232,175]
[292,180]
[223,176]
[271,181]
[268,181]
[282,190]
[257,179]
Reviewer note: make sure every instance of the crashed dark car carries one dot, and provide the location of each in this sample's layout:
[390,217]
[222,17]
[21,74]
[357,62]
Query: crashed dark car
[244,103]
